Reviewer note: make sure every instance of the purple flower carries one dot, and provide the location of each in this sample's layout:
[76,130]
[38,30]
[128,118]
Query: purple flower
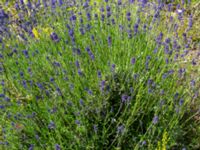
[144,143]
[89,92]
[113,21]
[85,5]
[136,28]
[37,4]
[119,2]
[44,3]
[21,74]
[108,14]
[25,52]
[128,16]
[102,85]
[29,5]
[92,38]
[102,17]
[71,33]
[192,83]
[181,101]
[21,2]
[31,147]
[81,102]
[176,96]
[102,9]
[88,16]
[159,38]
[155,119]
[51,125]
[17,6]
[60,2]
[53,3]
[133,60]
[113,67]
[99,74]
[168,40]
[77,64]
[54,37]
[95,127]
[125,98]
[80,72]
[52,79]
[82,31]
[96,16]
[108,8]
[24,84]
[57,147]
[109,40]
[120,129]
[77,122]
[193,62]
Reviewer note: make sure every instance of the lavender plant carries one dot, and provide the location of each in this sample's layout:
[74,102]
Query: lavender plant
[97,75]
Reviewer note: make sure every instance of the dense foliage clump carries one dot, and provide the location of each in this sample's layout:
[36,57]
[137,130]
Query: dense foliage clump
[107,74]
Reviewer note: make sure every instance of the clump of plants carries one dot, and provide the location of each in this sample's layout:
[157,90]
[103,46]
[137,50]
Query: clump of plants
[97,75]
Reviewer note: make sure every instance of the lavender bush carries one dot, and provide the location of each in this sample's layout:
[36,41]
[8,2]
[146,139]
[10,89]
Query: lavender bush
[107,74]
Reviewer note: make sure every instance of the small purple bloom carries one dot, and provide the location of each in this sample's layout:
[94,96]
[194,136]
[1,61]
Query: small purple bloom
[54,37]
[85,5]
[102,85]
[108,8]
[51,125]
[125,98]
[136,28]
[60,2]
[99,74]
[120,129]
[89,92]
[113,21]
[109,40]
[96,16]
[131,1]
[113,67]
[192,83]
[144,143]
[77,64]
[176,96]
[102,9]
[133,61]
[57,147]
[155,119]
[193,62]
[119,2]
[181,101]
[24,84]
[80,72]
[25,52]
[88,16]
[102,17]
[168,40]
[31,147]
[95,127]
[81,102]
[53,3]
[77,122]
[52,79]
